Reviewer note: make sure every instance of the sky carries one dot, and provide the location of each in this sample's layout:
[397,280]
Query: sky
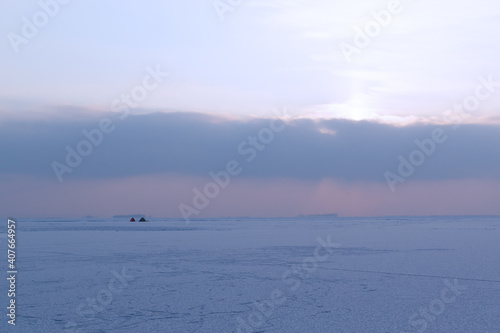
[353,107]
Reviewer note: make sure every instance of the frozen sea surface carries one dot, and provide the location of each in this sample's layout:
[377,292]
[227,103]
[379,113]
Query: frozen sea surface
[408,274]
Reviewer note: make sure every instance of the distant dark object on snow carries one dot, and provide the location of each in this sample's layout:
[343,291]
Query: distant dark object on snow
[142,219]
[132,220]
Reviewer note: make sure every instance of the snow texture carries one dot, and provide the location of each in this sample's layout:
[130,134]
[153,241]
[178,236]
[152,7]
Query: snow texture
[258,275]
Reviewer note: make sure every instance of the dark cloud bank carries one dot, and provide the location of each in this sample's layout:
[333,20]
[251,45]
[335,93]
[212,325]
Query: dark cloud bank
[195,144]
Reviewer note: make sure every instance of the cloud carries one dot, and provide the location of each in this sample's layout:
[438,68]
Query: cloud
[265,53]
[193,144]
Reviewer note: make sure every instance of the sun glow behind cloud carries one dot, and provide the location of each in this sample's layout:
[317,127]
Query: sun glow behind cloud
[266,54]
[232,75]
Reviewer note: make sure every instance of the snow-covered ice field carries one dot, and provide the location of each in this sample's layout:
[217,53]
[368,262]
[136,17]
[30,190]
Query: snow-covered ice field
[408,274]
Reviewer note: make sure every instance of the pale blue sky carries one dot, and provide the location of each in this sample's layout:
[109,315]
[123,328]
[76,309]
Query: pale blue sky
[267,58]
[265,54]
